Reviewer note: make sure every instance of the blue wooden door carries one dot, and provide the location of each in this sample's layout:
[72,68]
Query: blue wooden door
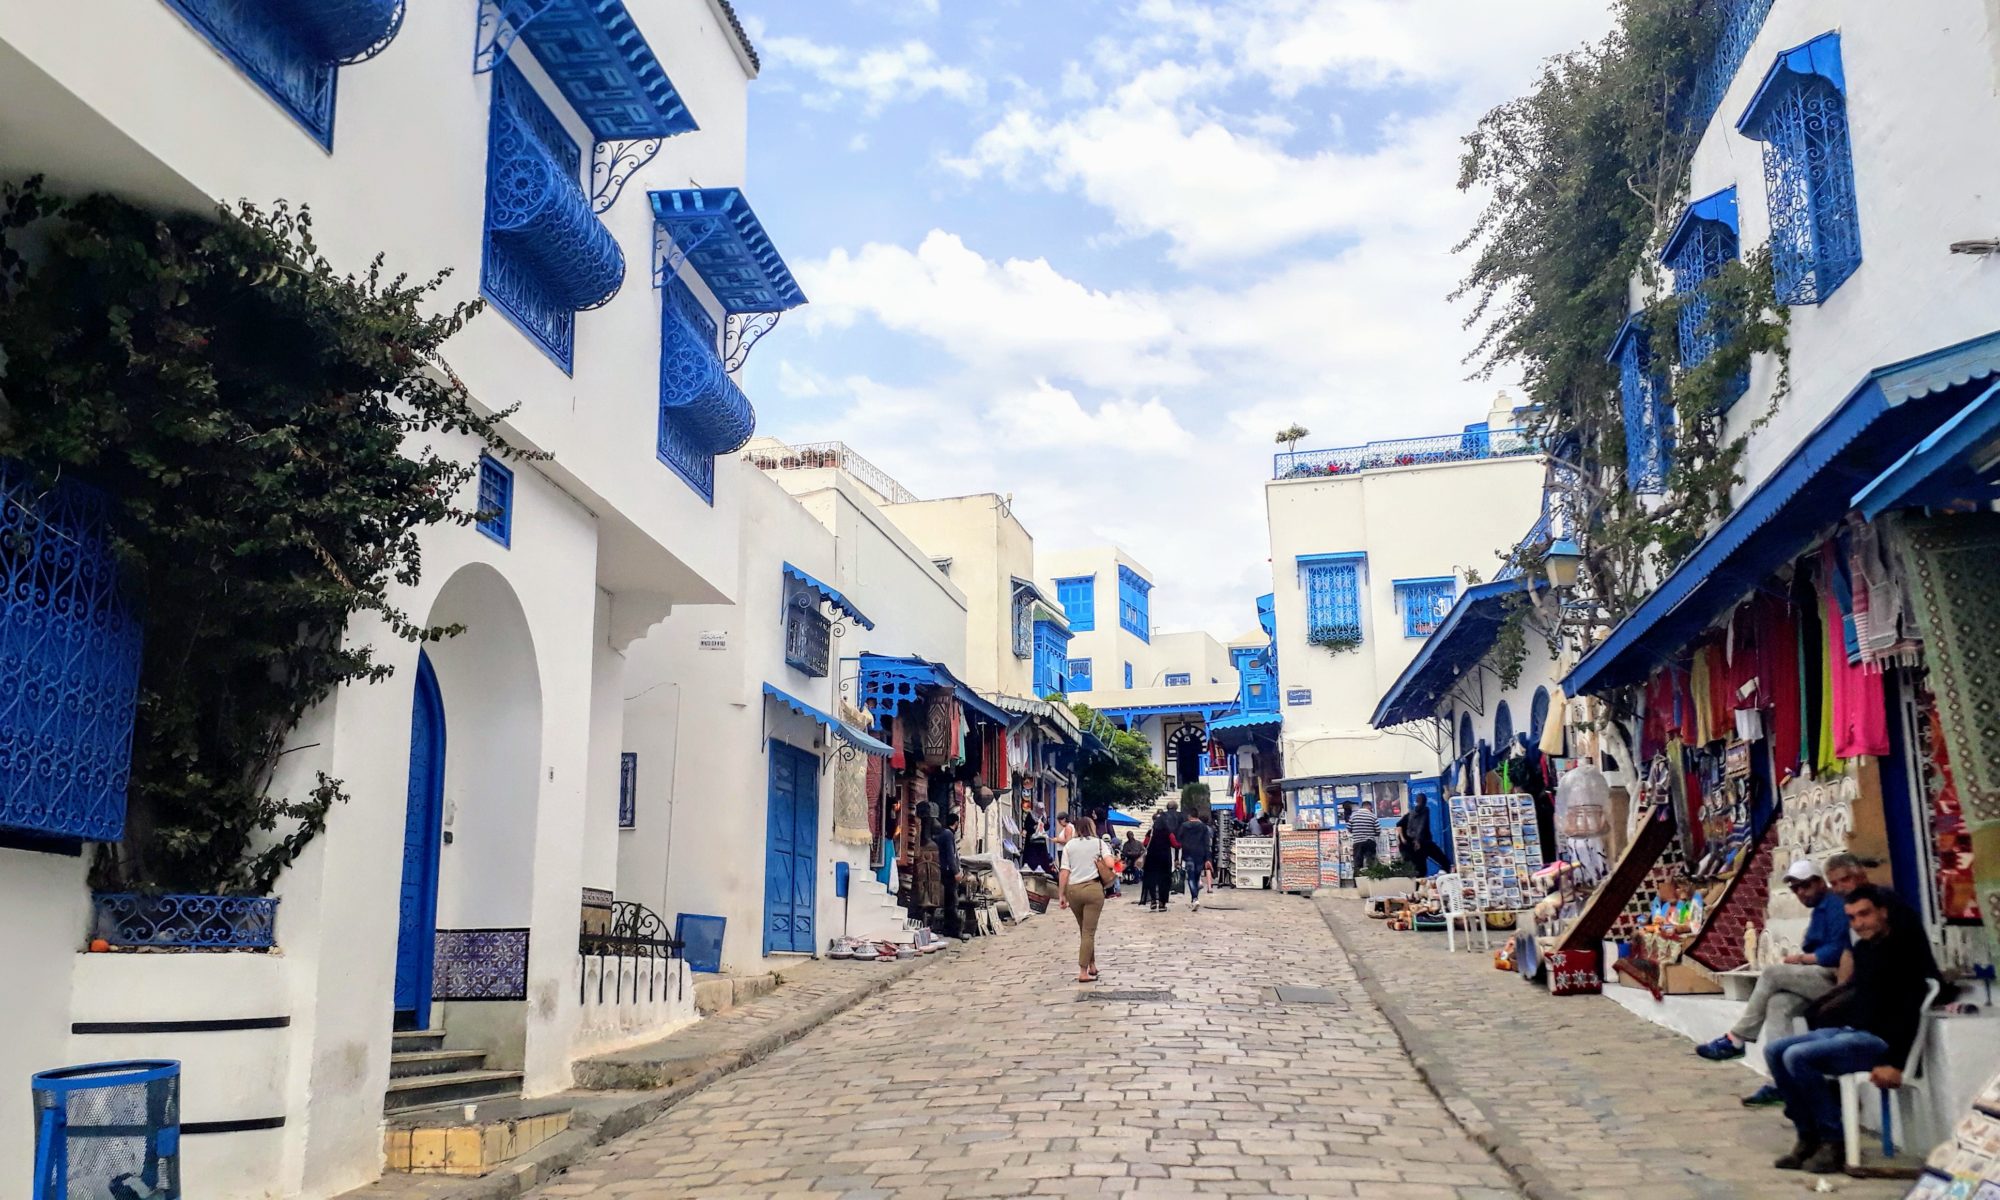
[1440,816]
[791,848]
[416,926]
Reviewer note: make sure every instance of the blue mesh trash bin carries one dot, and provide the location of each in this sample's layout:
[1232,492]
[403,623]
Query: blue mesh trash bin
[108,1131]
[701,937]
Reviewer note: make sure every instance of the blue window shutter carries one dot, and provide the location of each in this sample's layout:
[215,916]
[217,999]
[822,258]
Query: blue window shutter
[1079,675]
[1128,676]
[496,500]
[1648,410]
[1077,595]
[1333,599]
[1134,604]
[1424,602]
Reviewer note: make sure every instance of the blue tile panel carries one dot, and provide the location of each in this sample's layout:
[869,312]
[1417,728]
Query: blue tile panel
[547,255]
[1800,114]
[1134,604]
[1648,409]
[595,54]
[728,248]
[1078,597]
[702,411]
[1424,603]
[1079,675]
[70,646]
[496,501]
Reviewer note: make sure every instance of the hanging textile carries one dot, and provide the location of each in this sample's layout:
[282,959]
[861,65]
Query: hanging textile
[1884,623]
[1953,562]
[1860,706]
[1721,702]
[940,730]
[1549,738]
[1704,729]
[874,789]
[1825,761]
[850,790]
[1778,680]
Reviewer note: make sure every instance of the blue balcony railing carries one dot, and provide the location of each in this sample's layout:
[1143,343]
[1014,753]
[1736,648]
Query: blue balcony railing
[1468,446]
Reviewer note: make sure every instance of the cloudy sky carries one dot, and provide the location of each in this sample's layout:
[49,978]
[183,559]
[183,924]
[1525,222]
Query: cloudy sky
[1095,253]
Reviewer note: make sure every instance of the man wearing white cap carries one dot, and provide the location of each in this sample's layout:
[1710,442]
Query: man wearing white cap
[1785,989]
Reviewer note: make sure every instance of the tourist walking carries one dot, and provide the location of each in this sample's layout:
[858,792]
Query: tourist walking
[1197,853]
[1036,853]
[1156,879]
[1085,863]
[1362,830]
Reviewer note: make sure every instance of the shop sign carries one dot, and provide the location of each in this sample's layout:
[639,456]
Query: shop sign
[1294,697]
[714,640]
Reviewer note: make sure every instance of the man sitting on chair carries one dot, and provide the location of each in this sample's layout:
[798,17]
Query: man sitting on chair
[1784,989]
[1868,1022]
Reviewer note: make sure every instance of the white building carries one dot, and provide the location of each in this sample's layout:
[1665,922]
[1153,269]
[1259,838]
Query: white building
[1370,546]
[485,775]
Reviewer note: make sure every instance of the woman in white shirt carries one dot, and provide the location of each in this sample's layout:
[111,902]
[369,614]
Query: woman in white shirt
[1083,891]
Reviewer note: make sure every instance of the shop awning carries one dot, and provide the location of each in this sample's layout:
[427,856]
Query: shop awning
[1955,463]
[887,683]
[1891,413]
[1057,716]
[1460,641]
[1258,720]
[853,735]
[1124,818]
[830,595]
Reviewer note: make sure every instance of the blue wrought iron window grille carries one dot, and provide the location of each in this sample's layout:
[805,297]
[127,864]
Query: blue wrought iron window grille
[293,49]
[1128,677]
[1078,597]
[808,634]
[1079,675]
[1135,604]
[628,790]
[1424,603]
[1024,623]
[1649,412]
[496,500]
[127,919]
[547,255]
[1702,244]
[1180,679]
[1737,25]
[1800,114]
[1051,658]
[70,645]
[702,412]
[1332,584]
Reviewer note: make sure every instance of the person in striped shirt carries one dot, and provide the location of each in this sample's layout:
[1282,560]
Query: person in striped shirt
[1363,830]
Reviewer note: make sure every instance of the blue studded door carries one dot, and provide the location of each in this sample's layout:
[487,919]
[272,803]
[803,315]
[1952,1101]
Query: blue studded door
[416,925]
[791,850]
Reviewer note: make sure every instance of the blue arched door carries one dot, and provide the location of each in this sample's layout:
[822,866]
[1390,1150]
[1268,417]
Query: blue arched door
[416,925]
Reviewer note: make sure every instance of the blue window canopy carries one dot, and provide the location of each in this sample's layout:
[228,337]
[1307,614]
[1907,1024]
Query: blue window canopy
[830,595]
[293,49]
[1817,59]
[1462,639]
[343,31]
[1248,720]
[1317,560]
[696,393]
[851,734]
[887,683]
[1890,413]
[715,230]
[543,221]
[1718,209]
[595,54]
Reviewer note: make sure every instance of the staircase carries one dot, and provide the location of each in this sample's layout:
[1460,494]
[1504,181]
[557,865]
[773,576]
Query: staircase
[872,912]
[423,1074]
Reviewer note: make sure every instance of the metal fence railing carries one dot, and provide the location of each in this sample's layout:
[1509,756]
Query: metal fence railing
[1468,446]
[833,455]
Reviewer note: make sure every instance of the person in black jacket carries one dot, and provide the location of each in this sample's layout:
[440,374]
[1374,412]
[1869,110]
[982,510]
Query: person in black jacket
[1156,881]
[1868,1022]
[946,841]
[1197,852]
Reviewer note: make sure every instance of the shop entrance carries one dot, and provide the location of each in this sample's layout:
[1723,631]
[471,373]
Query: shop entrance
[1185,749]
[416,925]
[791,851]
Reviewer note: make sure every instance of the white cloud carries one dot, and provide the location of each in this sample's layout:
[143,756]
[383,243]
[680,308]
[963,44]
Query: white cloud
[1048,417]
[880,76]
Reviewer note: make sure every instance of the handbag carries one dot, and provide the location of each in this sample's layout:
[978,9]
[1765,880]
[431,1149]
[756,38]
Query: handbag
[1106,873]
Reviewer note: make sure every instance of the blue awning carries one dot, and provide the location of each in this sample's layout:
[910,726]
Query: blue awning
[1123,818]
[1467,632]
[853,735]
[887,683]
[595,54]
[1889,414]
[1955,463]
[1252,720]
[728,248]
[1719,209]
[1817,58]
[830,595]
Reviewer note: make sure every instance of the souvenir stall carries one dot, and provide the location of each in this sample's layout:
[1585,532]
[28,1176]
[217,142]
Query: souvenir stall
[1249,742]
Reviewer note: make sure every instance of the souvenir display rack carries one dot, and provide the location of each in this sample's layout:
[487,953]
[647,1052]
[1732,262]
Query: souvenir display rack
[1498,845]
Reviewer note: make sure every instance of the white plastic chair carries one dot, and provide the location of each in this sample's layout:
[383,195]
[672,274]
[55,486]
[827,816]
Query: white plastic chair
[1851,1085]
[1451,897]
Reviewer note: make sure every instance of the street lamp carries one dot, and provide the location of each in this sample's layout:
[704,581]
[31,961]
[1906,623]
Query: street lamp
[1562,563]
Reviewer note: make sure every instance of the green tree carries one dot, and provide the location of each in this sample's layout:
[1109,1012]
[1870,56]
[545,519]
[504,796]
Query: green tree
[1125,775]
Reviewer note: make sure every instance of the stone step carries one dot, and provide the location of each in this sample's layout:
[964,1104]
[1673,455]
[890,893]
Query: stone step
[416,1039]
[409,1064]
[458,1087]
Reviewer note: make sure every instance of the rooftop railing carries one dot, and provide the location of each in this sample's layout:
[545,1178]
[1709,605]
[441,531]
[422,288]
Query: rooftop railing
[839,456]
[1468,446]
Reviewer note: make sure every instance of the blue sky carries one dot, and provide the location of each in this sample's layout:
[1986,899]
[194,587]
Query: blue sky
[1094,253]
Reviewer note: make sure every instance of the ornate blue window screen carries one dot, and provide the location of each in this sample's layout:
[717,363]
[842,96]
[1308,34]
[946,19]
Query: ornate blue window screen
[293,49]
[1256,690]
[547,254]
[1425,602]
[1800,114]
[1648,409]
[1702,244]
[1128,676]
[1022,616]
[1051,658]
[1079,675]
[496,500]
[1737,24]
[1332,584]
[628,790]
[1135,604]
[69,663]
[1179,679]
[1078,597]
[702,411]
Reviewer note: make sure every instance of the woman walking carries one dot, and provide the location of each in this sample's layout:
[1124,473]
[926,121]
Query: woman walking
[1157,881]
[1082,884]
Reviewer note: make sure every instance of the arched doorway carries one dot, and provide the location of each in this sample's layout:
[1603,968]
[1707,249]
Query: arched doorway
[416,924]
[1185,748]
